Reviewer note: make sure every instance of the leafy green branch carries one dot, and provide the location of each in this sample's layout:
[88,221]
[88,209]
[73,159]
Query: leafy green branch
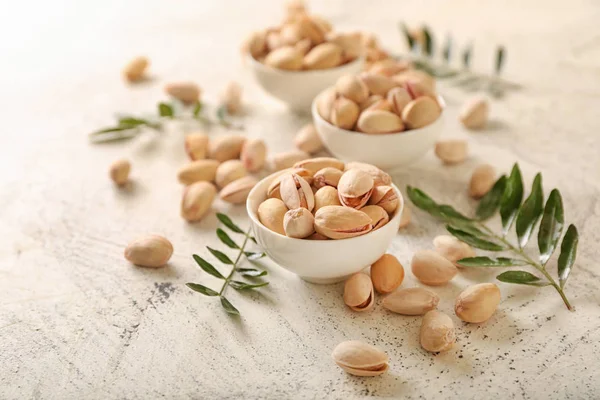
[228,281]
[506,198]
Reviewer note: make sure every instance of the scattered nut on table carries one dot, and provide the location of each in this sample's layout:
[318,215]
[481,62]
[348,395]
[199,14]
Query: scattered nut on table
[451,248]
[196,171]
[232,97]
[196,200]
[119,172]
[149,251]
[477,303]
[451,151]
[358,292]
[411,301]
[474,113]
[308,140]
[135,69]
[253,154]
[186,92]
[360,359]
[196,145]
[437,332]
[387,274]
[431,268]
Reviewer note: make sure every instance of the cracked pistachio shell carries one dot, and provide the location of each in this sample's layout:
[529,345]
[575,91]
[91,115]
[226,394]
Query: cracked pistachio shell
[379,121]
[437,332]
[200,170]
[271,213]
[405,217]
[360,359]
[298,223]
[451,248]
[358,292]
[379,217]
[196,146]
[338,222]
[315,164]
[322,56]
[273,189]
[327,177]
[186,92]
[384,197]
[352,88]
[355,188]
[226,147]
[228,172]
[477,303]
[414,76]
[377,84]
[379,177]
[389,67]
[253,154]
[387,274]
[451,151]
[325,103]
[421,112]
[326,196]
[196,201]
[311,29]
[431,268]
[482,180]
[134,70]
[232,97]
[371,100]
[398,98]
[119,172]
[417,88]
[286,58]
[344,113]
[237,191]
[296,192]
[256,44]
[149,251]
[349,42]
[288,159]
[474,113]
[411,301]
[308,140]
[382,105]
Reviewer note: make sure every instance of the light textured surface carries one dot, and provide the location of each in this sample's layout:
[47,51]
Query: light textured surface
[78,322]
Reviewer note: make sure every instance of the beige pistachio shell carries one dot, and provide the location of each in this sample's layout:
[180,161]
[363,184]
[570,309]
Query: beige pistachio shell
[431,268]
[323,24]
[399,98]
[285,57]
[327,177]
[474,113]
[379,217]
[379,121]
[451,151]
[237,191]
[271,213]
[389,67]
[373,55]
[344,113]
[119,172]
[338,222]
[405,217]
[228,172]
[135,69]
[312,30]
[315,164]
[360,359]
[274,188]
[196,200]
[149,251]
[296,192]
[384,197]
[226,147]
[352,88]
[411,301]
[200,170]
[322,56]
[274,42]
[477,303]
[349,42]
[418,88]
[253,154]
[291,34]
[358,292]
[371,100]
[387,274]
[325,103]
[298,223]
[308,140]
[382,105]
[186,92]
[196,146]
[482,180]
[437,332]
[256,44]
[377,84]
[281,161]
[355,188]
[379,177]
[451,248]
[421,112]
[414,76]
[303,46]
[232,97]
[326,196]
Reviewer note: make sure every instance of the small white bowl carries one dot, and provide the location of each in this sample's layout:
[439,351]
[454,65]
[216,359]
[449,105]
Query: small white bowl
[387,150]
[321,261]
[298,88]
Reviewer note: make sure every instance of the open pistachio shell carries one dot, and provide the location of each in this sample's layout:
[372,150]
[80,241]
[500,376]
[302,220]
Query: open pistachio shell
[360,359]
[385,197]
[327,177]
[358,292]
[298,223]
[296,192]
[355,188]
[379,177]
[315,164]
[379,217]
[274,188]
[338,222]
[437,332]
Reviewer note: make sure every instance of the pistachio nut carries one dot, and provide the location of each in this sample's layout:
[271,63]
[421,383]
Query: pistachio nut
[374,55]
[286,58]
[477,303]
[226,147]
[387,274]
[253,154]
[355,188]
[325,103]
[399,98]
[405,217]
[379,217]
[382,104]
[281,161]
[431,268]
[308,140]
[273,189]
[324,25]
[451,248]
[474,113]
[360,359]
[295,8]
[421,112]
[379,121]
[451,151]
[411,301]
[352,88]
[149,251]
[232,97]
[349,42]
[338,222]
[358,292]
[377,84]
[385,197]
[256,44]
[271,213]
[369,40]
[119,172]
[326,196]
[296,192]
[311,29]
[317,163]
[344,113]
[229,171]
[135,69]
[372,99]
[415,76]
[196,146]
[291,34]
[186,92]
[327,177]
[379,177]
[389,67]
[197,199]
[303,46]
[317,236]
[199,170]
[298,223]
[482,180]
[322,56]
[417,88]
[237,191]
[437,332]
[274,42]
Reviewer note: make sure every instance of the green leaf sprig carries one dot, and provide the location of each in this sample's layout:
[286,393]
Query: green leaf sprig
[506,198]
[228,281]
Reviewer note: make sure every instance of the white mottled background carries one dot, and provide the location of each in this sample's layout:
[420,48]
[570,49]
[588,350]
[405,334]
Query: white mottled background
[78,322]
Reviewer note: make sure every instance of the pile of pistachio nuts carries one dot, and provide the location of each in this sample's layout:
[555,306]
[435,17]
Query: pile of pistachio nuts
[322,198]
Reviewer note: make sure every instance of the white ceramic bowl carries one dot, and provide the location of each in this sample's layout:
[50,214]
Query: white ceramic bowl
[321,261]
[387,151]
[298,88]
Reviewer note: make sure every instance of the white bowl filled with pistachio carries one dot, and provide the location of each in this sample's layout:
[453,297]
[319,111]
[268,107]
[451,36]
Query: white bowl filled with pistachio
[324,219]
[387,121]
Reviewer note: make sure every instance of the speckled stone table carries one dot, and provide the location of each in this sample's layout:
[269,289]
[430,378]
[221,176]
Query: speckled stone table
[78,322]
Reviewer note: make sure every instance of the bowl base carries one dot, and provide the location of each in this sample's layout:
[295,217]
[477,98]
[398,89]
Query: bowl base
[325,281]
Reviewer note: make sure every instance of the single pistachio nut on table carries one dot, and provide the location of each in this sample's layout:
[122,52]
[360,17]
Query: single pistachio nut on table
[387,274]
[326,196]
[477,303]
[308,140]
[355,188]
[274,188]
[431,268]
[358,292]
[228,172]
[196,200]
[200,170]
[360,359]
[482,181]
[135,69]
[327,177]
[380,177]
[253,154]
[405,217]
[451,151]
[271,213]
[352,88]
[232,97]
[237,191]
[474,113]
[344,113]
[226,147]
[437,332]
[119,172]
[385,197]
[186,92]
[451,248]
[315,164]
[149,251]
[323,56]
[288,159]
[196,146]
[298,223]
[338,222]
[411,301]
[379,217]
[296,192]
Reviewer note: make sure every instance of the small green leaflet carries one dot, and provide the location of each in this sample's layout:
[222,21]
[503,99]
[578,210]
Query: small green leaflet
[428,42]
[226,239]
[225,220]
[447,51]
[201,289]
[220,256]
[500,52]
[530,212]
[473,240]
[521,278]
[551,226]
[132,122]
[251,272]
[229,307]
[489,262]
[197,109]
[165,110]
[511,198]
[491,201]
[466,56]
[207,267]
[410,42]
[252,256]
[449,213]
[239,285]
[568,253]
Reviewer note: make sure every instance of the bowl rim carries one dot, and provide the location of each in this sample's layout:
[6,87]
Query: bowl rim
[254,215]
[258,65]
